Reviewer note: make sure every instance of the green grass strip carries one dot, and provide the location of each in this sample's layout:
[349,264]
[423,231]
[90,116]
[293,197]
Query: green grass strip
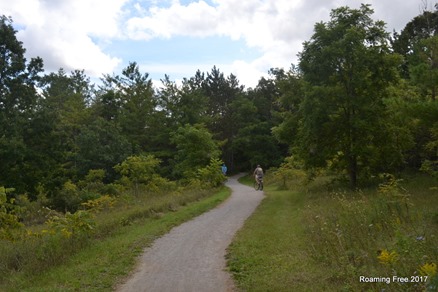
[269,253]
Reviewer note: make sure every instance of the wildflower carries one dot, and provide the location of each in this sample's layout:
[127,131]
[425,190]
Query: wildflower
[428,269]
[66,233]
[385,257]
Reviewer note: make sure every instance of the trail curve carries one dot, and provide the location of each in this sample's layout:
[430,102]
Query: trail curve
[191,257]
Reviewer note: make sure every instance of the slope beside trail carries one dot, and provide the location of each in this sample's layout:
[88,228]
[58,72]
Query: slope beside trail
[191,257]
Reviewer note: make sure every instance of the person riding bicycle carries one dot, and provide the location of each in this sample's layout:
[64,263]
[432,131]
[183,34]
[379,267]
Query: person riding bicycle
[258,174]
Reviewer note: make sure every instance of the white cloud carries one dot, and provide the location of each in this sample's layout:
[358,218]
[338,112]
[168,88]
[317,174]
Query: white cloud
[74,34]
[249,73]
[61,32]
[195,19]
[276,28]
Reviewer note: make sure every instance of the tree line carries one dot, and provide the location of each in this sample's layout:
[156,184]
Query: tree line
[360,102]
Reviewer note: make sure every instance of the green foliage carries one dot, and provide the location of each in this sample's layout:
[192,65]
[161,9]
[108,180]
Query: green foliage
[93,181]
[348,69]
[68,198]
[63,113]
[138,170]
[32,211]
[101,145]
[291,89]
[159,184]
[382,233]
[431,166]
[425,73]
[336,108]
[407,42]
[338,236]
[9,220]
[211,176]
[74,243]
[195,148]
[79,223]
[104,202]
[255,144]
[183,105]
[72,195]
[290,170]
[18,99]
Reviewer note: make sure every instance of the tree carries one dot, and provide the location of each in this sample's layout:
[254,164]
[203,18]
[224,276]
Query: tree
[185,104]
[138,169]
[128,100]
[425,73]
[63,111]
[254,144]
[253,115]
[407,42]
[221,91]
[18,101]
[348,68]
[101,145]
[195,149]
[290,95]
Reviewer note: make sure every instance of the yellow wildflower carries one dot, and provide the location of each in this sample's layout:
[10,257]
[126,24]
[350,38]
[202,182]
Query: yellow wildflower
[66,233]
[386,257]
[428,269]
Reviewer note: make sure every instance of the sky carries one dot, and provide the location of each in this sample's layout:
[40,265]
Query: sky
[178,37]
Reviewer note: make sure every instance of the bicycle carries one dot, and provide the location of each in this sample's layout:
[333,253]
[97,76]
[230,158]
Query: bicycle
[258,185]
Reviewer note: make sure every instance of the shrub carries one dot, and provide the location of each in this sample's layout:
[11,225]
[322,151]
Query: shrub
[68,198]
[159,184]
[104,202]
[211,175]
[137,170]
[78,223]
[9,220]
[289,170]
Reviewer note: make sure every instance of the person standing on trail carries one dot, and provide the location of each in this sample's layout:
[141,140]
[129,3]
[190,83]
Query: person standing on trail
[224,169]
[258,173]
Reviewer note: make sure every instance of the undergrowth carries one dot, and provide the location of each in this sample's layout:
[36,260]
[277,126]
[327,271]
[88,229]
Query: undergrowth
[35,249]
[377,239]
[383,238]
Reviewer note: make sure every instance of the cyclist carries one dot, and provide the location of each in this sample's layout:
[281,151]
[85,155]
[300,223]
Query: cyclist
[258,174]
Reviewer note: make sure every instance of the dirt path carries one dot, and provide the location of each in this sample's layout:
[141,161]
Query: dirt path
[191,257]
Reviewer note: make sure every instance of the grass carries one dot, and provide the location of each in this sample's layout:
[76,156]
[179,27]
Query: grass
[102,265]
[309,239]
[269,253]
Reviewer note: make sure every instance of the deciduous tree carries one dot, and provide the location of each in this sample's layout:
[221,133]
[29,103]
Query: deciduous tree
[348,68]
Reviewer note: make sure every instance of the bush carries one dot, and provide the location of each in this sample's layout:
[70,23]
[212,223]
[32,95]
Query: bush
[289,170]
[159,184]
[68,199]
[105,202]
[211,175]
[9,220]
[71,224]
[137,171]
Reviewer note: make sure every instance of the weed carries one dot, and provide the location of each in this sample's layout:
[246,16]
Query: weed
[48,247]
[381,232]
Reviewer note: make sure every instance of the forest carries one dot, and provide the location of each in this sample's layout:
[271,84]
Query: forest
[361,102]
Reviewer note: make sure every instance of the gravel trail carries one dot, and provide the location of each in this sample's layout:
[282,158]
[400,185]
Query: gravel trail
[191,257]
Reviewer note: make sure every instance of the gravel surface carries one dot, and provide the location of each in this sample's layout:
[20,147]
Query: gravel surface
[191,257]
